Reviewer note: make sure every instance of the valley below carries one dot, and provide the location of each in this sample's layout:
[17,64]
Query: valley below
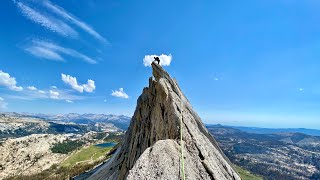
[56,147]
[281,155]
[38,146]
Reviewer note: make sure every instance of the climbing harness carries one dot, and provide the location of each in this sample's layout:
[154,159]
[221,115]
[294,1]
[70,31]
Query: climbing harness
[181,146]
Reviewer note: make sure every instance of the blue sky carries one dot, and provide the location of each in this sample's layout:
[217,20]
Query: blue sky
[251,63]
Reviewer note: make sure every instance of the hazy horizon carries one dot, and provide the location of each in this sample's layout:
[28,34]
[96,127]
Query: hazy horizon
[234,122]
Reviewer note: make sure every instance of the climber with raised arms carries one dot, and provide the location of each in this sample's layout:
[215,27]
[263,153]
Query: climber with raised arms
[156,58]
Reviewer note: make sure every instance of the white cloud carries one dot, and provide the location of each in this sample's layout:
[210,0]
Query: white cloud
[43,52]
[46,21]
[53,94]
[72,81]
[74,20]
[52,51]
[54,87]
[69,101]
[105,100]
[41,91]
[9,82]
[3,104]
[32,88]
[120,93]
[89,87]
[165,60]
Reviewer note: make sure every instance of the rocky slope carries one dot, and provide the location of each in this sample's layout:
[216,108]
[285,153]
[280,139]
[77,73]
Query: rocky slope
[28,155]
[14,125]
[151,149]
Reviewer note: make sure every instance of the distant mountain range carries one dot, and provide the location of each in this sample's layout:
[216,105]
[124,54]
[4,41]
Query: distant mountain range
[313,132]
[119,121]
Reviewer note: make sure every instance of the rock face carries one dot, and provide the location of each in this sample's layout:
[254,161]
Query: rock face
[29,154]
[151,148]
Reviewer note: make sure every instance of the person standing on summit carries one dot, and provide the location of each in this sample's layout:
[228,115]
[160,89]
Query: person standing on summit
[157,59]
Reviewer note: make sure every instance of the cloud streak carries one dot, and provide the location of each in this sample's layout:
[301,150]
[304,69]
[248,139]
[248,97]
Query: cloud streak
[52,51]
[54,94]
[9,82]
[46,21]
[72,81]
[32,88]
[54,18]
[3,104]
[74,20]
[69,101]
[43,52]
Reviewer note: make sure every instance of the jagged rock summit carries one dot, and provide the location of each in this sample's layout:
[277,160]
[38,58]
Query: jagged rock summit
[151,148]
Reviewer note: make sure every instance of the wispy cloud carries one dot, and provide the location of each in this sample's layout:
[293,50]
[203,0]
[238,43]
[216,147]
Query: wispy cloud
[69,101]
[46,21]
[32,88]
[74,20]
[165,60]
[42,52]
[55,18]
[54,94]
[9,82]
[52,51]
[120,93]
[3,104]
[72,81]
[65,94]
[41,92]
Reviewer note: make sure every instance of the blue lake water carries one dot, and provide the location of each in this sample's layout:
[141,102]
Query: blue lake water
[107,144]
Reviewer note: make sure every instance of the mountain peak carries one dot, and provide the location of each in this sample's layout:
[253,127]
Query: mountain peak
[158,72]
[152,146]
